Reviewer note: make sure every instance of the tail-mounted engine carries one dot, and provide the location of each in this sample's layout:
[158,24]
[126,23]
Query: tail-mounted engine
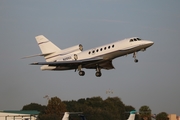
[75,49]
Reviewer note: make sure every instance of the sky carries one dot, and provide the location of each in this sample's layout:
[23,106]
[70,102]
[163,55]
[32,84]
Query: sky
[153,81]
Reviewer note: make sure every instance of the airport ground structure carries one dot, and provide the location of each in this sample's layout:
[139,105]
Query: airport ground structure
[33,114]
[19,115]
[173,117]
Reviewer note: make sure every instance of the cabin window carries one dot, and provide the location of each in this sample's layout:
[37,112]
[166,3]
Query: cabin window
[101,49]
[93,51]
[89,52]
[131,40]
[112,45]
[109,47]
[104,48]
[97,50]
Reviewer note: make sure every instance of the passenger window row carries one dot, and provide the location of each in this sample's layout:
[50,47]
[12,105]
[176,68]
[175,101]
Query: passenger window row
[101,49]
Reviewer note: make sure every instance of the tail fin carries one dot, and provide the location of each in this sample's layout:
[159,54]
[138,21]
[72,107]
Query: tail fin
[66,116]
[132,115]
[45,45]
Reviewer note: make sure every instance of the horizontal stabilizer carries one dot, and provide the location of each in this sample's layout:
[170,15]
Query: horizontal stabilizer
[37,55]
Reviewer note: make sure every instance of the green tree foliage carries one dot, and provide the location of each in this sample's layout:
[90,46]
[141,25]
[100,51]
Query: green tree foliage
[34,106]
[145,113]
[54,110]
[162,116]
[96,108]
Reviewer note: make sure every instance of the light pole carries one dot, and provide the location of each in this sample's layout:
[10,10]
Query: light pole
[109,92]
[46,97]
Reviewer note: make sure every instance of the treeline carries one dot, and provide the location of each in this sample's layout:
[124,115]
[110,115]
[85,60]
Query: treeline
[94,108]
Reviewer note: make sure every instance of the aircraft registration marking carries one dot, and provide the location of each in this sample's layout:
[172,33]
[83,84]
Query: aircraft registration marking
[67,58]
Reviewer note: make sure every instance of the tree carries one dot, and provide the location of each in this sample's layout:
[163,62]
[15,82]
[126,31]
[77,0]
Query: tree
[145,113]
[116,107]
[55,107]
[54,110]
[162,116]
[34,106]
[96,108]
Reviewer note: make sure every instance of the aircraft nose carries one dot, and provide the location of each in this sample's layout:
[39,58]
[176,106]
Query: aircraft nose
[149,43]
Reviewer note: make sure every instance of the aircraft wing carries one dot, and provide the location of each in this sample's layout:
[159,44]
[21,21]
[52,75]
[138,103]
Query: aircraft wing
[69,63]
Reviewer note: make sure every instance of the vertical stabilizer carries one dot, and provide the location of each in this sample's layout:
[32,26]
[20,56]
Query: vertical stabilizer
[132,115]
[66,116]
[45,45]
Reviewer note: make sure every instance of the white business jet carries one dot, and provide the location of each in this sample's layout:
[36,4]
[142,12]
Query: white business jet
[96,58]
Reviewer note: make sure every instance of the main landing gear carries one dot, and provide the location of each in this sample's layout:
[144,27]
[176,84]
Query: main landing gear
[98,72]
[134,56]
[82,73]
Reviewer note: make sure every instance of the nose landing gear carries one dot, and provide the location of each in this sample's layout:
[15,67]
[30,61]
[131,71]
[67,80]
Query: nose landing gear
[134,56]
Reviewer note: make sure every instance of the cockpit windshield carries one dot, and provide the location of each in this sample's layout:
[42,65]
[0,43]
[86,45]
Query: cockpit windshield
[134,39]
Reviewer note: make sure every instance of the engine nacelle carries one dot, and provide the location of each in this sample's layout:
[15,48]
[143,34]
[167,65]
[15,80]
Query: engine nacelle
[74,49]
[65,54]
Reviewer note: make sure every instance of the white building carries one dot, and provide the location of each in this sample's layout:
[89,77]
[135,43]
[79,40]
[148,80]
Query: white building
[18,115]
[173,117]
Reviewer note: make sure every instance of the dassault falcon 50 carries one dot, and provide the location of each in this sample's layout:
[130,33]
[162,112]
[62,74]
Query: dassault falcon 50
[96,58]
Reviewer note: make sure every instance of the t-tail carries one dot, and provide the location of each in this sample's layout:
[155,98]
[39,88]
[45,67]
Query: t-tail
[47,47]
[66,116]
[49,50]
[132,115]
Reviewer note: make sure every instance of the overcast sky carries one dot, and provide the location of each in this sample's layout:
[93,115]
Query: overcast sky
[153,81]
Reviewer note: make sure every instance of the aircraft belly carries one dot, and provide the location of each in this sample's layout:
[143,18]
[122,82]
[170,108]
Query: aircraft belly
[46,67]
[63,68]
[105,64]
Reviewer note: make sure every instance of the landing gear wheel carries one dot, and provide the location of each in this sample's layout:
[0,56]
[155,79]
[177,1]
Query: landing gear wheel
[98,74]
[81,73]
[135,60]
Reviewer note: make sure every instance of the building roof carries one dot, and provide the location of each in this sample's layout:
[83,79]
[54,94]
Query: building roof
[31,112]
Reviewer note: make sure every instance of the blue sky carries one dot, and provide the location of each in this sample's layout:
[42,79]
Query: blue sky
[153,81]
